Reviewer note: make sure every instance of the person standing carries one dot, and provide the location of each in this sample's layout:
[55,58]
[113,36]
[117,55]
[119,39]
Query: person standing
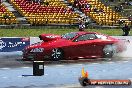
[126,30]
[81,26]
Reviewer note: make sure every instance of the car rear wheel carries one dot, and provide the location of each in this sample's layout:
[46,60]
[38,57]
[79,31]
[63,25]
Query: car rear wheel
[57,54]
[109,51]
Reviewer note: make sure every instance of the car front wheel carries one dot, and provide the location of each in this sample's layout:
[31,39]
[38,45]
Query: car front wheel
[57,54]
[109,51]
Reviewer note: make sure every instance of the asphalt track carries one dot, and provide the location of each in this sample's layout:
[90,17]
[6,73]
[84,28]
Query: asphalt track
[63,74]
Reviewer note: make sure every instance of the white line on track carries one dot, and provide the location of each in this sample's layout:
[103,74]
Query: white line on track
[79,64]
[25,67]
[125,61]
[118,61]
[19,76]
[4,77]
[103,70]
[95,63]
[5,68]
[99,87]
[60,65]
[110,62]
[45,74]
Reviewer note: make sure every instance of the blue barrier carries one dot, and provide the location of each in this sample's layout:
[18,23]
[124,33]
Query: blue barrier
[13,44]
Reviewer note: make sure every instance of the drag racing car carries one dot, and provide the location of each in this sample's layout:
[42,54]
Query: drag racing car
[73,46]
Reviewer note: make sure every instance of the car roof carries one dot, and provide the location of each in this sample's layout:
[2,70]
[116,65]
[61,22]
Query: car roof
[81,33]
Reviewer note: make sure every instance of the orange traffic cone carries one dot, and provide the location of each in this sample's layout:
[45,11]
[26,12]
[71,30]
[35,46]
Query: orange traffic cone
[86,74]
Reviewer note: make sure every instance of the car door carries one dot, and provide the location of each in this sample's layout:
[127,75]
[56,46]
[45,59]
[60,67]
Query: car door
[84,45]
[99,44]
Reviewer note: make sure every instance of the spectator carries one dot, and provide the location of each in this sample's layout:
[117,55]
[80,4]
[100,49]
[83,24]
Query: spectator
[75,4]
[47,3]
[6,16]
[80,6]
[81,26]
[95,10]
[116,8]
[126,30]
[101,10]
[120,8]
[121,22]
[130,18]
[87,6]
[72,9]
[130,3]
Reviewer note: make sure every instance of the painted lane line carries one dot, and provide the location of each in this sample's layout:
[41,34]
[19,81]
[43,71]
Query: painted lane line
[25,67]
[60,65]
[5,68]
[19,76]
[95,63]
[45,74]
[103,70]
[79,64]
[99,87]
[4,77]
[118,61]
[122,61]
[125,61]
[110,62]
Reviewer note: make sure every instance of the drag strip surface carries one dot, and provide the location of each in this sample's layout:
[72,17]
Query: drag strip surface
[62,75]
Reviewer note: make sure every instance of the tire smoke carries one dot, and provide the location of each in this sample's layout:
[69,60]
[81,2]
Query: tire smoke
[126,54]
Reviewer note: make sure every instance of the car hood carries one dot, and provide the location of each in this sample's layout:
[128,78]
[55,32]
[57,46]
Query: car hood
[50,44]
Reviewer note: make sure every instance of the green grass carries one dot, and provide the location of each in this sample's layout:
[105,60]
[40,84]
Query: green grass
[37,32]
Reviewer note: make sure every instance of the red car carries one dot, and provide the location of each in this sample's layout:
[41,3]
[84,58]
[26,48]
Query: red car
[73,46]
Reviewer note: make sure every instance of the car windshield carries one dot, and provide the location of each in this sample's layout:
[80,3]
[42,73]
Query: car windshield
[69,36]
[101,36]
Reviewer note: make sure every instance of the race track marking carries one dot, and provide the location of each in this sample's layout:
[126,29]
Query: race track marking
[110,62]
[99,87]
[118,61]
[125,61]
[19,76]
[95,63]
[103,70]
[5,68]
[4,77]
[60,65]
[45,74]
[25,67]
[79,64]
[70,86]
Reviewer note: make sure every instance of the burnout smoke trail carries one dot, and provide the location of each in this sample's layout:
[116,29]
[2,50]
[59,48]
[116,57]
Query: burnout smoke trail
[128,53]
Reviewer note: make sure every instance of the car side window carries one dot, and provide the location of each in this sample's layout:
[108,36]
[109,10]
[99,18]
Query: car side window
[86,37]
